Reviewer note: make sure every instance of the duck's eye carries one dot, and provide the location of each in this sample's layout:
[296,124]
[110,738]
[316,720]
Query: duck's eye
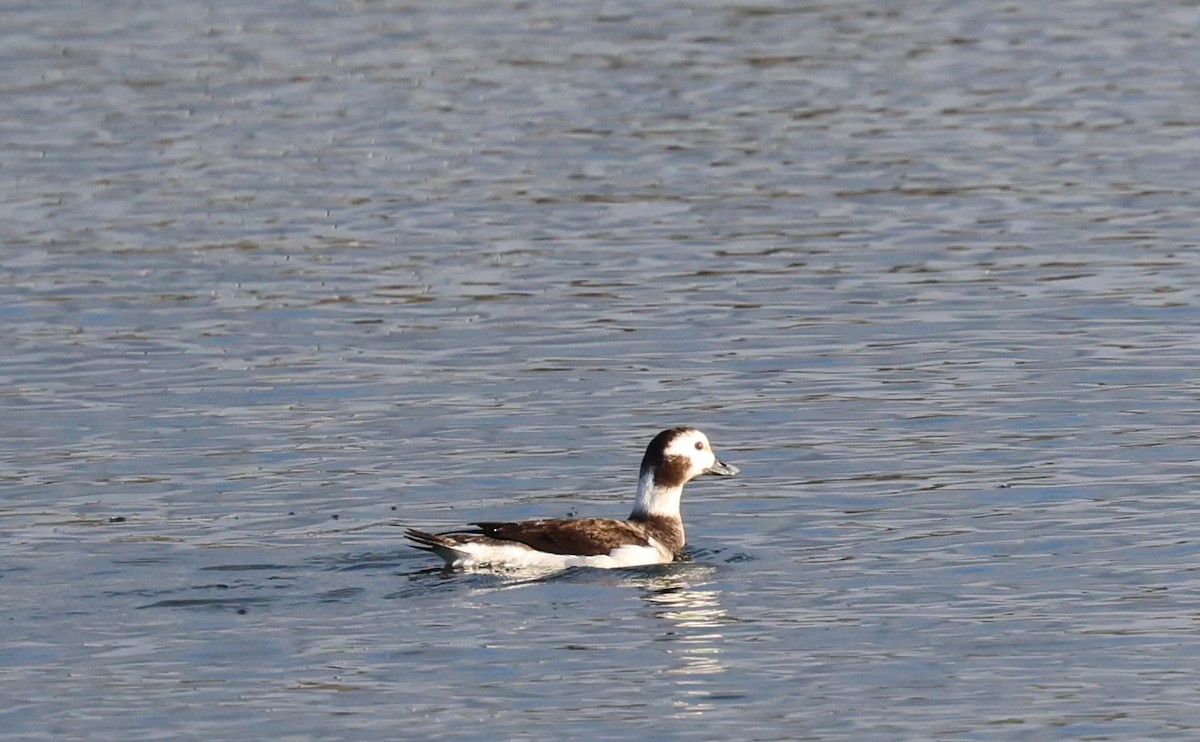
[699,445]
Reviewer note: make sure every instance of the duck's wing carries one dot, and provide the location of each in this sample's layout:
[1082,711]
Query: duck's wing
[578,536]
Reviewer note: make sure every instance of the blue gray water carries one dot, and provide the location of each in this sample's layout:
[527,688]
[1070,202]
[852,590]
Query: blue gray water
[278,278]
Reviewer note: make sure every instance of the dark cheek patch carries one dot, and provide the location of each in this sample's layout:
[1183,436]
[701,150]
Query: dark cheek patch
[672,472]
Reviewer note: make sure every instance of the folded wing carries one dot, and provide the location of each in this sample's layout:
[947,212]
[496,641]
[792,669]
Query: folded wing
[579,536]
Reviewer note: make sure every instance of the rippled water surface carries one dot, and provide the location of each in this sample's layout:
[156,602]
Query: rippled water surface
[281,277]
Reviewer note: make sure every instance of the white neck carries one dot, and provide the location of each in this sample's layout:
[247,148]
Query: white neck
[655,500]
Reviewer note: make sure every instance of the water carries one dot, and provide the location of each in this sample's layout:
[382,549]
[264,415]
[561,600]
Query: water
[279,278]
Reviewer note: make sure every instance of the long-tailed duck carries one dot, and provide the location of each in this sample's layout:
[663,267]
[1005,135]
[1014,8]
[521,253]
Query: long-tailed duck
[653,533]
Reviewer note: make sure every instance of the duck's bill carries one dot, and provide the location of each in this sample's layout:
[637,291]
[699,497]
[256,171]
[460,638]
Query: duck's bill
[722,470]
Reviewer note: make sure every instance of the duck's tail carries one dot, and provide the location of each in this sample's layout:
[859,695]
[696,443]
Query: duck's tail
[442,545]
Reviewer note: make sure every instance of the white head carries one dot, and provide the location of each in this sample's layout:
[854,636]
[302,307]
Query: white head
[674,458]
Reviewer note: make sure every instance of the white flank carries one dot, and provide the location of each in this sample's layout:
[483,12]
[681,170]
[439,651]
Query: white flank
[520,556]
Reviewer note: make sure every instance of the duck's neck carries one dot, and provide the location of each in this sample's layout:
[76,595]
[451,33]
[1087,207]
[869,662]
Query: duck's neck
[657,510]
[655,500]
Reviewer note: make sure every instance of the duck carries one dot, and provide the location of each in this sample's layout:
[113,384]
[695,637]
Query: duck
[652,534]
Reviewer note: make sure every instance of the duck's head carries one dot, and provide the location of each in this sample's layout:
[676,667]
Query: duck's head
[675,457]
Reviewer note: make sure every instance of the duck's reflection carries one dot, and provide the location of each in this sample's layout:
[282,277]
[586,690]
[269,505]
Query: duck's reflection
[691,611]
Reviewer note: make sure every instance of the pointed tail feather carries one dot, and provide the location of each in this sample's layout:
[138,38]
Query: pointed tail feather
[440,544]
[423,539]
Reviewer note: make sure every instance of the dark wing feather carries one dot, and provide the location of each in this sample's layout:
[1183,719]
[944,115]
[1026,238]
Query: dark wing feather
[583,536]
